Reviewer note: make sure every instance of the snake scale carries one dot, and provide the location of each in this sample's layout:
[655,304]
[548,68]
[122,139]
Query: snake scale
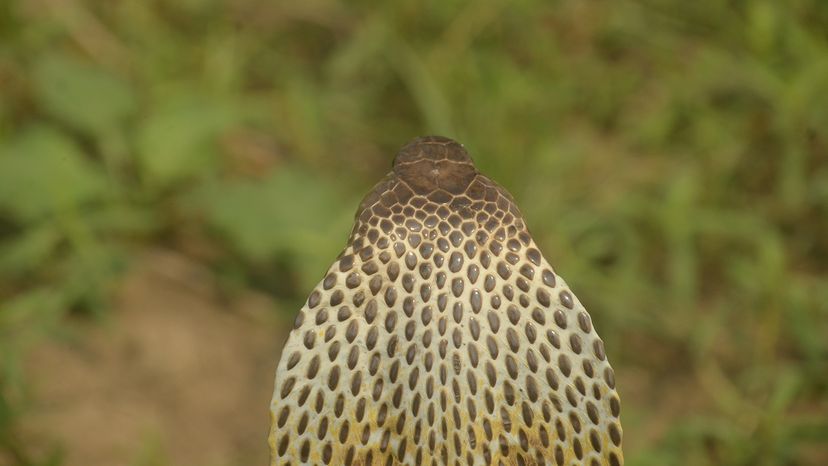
[442,336]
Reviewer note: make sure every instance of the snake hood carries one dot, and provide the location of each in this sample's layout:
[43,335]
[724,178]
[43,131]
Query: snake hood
[442,336]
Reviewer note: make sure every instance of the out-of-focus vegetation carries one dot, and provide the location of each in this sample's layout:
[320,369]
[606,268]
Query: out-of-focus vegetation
[671,158]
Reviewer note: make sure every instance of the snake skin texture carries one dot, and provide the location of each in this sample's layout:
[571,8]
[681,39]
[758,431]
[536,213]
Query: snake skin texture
[442,336]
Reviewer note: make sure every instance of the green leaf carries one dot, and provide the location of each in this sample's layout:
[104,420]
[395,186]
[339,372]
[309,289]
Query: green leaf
[179,139]
[82,95]
[27,251]
[289,212]
[43,172]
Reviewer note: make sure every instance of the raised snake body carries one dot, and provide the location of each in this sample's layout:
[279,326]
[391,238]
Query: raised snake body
[442,336]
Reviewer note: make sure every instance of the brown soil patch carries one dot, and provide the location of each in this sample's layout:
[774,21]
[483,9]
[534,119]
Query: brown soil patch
[173,376]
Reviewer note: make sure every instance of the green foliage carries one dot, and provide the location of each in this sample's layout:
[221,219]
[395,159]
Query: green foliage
[81,95]
[44,173]
[177,141]
[671,158]
[263,220]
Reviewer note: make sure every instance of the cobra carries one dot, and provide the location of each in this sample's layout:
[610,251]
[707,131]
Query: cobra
[442,336]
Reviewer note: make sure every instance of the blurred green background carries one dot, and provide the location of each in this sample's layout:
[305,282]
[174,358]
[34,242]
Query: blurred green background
[670,156]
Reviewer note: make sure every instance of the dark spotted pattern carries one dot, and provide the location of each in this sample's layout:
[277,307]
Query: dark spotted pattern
[441,336]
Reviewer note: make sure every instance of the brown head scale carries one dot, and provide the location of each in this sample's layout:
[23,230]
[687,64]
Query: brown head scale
[435,162]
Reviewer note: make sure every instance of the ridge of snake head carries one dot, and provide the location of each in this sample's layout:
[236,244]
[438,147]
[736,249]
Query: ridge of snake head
[435,162]
[438,171]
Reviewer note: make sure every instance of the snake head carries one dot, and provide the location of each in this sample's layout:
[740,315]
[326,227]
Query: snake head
[430,163]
